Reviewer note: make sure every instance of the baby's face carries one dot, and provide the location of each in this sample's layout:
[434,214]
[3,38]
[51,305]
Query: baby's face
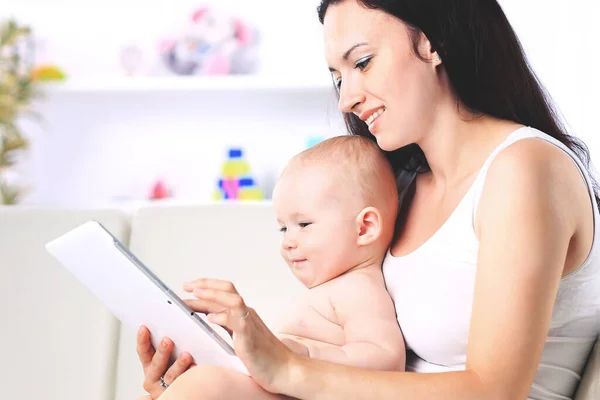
[319,229]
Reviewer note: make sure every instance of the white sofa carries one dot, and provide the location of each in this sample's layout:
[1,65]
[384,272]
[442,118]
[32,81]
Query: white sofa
[59,342]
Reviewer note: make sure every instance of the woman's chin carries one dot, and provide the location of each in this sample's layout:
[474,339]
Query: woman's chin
[384,144]
[389,141]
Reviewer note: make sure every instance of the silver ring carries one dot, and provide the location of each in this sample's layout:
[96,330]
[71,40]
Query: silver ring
[245,315]
[162,382]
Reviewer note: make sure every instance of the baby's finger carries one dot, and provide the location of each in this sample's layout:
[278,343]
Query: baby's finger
[213,284]
[232,301]
[233,322]
[204,306]
[219,319]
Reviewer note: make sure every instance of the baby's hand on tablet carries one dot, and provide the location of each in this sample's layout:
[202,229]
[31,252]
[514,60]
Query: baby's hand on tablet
[264,355]
[204,306]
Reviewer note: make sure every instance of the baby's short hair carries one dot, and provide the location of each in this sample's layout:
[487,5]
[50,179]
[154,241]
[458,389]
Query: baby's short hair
[359,166]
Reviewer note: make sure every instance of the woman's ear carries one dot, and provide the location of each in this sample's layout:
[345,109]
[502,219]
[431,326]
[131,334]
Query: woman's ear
[427,51]
[369,224]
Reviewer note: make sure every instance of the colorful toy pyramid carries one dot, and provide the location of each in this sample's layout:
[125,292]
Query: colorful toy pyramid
[236,183]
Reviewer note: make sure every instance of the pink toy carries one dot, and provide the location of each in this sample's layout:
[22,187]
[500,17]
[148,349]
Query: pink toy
[215,43]
[232,188]
[159,191]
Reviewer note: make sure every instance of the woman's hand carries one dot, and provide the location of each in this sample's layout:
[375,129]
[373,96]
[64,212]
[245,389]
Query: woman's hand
[266,357]
[156,361]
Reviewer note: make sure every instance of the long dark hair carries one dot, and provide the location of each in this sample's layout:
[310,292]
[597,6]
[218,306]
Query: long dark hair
[485,64]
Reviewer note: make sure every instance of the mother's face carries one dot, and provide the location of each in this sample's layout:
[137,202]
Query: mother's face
[380,79]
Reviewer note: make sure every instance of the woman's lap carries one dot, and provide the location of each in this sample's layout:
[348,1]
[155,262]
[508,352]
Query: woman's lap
[208,382]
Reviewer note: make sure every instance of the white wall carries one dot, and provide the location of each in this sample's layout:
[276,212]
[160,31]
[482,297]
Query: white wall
[561,39]
[98,147]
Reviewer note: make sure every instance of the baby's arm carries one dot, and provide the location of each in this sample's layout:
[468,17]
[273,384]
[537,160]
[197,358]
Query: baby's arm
[294,344]
[367,315]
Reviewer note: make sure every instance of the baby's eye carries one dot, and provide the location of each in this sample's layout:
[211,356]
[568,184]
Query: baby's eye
[363,63]
[304,224]
[282,229]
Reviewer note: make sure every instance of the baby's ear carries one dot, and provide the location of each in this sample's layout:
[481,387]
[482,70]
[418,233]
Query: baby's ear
[369,225]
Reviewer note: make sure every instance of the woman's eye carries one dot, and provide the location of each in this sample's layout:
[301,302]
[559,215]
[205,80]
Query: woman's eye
[304,224]
[362,63]
[338,83]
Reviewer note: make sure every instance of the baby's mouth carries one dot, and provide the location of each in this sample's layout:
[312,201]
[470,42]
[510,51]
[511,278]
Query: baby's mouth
[298,262]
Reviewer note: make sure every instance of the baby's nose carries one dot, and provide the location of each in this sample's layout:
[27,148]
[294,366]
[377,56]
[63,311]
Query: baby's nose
[289,243]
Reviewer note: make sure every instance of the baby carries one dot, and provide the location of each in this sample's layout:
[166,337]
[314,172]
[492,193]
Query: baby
[336,204]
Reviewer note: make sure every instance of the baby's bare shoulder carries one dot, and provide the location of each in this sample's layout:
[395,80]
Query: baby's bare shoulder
[367,279]
[361,288]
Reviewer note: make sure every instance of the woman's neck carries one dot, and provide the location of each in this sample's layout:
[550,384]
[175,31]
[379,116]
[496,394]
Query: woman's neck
[457,143]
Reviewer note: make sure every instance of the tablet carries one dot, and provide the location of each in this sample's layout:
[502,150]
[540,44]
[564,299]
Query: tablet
[136,296]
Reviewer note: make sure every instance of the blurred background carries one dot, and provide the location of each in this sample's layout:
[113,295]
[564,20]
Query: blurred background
[197,101]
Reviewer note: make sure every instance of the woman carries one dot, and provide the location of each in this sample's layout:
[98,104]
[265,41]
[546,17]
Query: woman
[495,268]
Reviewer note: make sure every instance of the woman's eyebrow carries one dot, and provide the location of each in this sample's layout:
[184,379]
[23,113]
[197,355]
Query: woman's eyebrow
[351,49]
[348,52]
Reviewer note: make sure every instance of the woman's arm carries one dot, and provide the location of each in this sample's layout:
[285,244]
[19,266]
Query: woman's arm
[525,225]
[320,380]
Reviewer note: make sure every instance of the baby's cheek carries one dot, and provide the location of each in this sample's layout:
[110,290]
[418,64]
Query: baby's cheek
[329,269]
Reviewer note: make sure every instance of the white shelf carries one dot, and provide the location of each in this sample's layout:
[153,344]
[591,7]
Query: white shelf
[188,84]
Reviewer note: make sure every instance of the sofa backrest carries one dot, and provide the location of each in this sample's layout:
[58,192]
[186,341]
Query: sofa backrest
[237,242]
[52,327]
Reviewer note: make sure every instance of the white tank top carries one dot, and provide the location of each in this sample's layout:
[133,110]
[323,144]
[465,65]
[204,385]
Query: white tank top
[432,289]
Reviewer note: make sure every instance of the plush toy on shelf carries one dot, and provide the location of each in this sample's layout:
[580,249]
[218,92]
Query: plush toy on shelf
[236,183]
[215,43]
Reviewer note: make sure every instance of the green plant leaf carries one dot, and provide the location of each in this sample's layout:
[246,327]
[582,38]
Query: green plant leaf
[9,194]
[16,143]
[17,92]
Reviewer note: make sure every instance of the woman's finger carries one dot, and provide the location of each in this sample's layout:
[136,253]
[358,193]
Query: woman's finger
[144,347]
[160,361]
[179,367]
[207,283]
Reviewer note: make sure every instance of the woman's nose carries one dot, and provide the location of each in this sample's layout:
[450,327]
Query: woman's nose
[350,97]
